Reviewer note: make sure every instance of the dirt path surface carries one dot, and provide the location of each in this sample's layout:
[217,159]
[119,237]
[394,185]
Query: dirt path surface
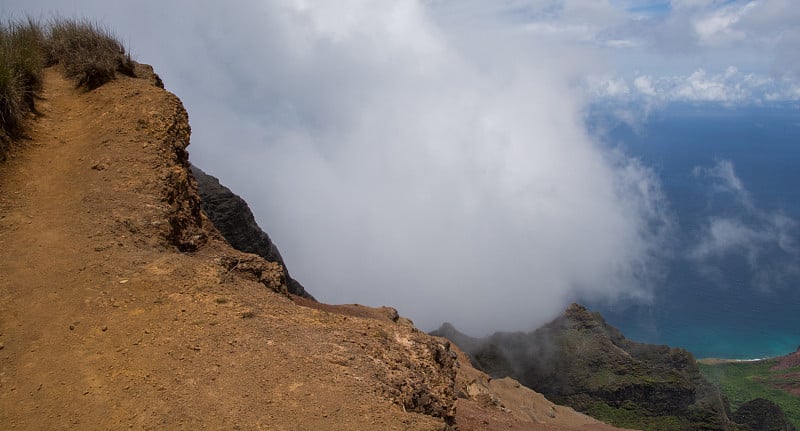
[104,324]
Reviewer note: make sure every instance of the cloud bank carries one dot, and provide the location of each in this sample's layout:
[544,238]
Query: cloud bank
[407,166]
[729,88]
[399,154]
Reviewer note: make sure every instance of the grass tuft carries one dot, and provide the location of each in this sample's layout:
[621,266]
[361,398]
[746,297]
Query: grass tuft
[88,53]
[21,63]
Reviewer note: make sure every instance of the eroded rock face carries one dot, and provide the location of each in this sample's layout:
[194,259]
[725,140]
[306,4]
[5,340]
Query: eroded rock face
[231,215]
[270,274]
[419,372]
[169,128]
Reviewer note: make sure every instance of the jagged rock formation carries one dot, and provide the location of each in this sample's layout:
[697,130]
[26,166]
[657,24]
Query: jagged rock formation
[231,215]
[762,415]
[581,361]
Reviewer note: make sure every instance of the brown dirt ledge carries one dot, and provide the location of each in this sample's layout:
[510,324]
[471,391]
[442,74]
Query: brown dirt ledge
[122,307]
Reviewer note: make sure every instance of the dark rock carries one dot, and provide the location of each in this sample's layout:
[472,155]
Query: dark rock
[581,361]
[762,415]
[232,217]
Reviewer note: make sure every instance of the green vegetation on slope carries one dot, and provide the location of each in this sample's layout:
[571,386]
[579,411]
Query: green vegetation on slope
[743,381]
[88,53]
[581,361]
[632,417]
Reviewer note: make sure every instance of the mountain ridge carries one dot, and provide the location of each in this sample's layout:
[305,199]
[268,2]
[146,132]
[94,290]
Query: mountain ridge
[579,360]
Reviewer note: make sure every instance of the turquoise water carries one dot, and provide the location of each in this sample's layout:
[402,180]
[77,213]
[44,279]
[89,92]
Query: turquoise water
[744,303]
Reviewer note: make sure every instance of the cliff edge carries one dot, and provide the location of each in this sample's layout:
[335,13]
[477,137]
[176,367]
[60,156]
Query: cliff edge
[232,217]
[121,306]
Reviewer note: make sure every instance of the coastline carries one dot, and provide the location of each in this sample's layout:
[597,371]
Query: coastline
[716,361]
[785,361]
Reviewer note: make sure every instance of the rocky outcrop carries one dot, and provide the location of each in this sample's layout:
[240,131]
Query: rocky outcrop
[231,215]
[762,415]
[420,371]
[581,361]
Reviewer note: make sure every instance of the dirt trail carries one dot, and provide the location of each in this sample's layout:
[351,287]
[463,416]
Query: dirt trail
[45,241]
[103,325]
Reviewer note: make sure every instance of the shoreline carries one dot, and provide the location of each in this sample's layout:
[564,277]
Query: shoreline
[715,361]
[793,358]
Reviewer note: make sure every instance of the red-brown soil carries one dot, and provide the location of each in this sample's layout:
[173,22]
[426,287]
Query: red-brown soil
[789,361]
[790,380]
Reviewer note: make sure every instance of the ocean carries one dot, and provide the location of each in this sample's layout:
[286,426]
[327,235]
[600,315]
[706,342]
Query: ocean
[736,293]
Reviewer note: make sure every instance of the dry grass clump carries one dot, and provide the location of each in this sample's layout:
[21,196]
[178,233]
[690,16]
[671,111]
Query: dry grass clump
[87,52]
[22,58]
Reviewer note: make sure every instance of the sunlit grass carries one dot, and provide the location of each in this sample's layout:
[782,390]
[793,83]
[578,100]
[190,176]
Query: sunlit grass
[744,381]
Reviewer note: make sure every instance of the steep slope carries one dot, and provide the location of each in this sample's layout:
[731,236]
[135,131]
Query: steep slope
[232,217]
[773,379]
[104,324]
[580,361]
[486,404]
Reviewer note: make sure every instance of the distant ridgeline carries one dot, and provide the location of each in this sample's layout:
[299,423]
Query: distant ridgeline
[580,361]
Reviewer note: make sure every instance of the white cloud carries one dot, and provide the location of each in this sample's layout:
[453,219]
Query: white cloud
[608,86]
[726,180]
[726,235]
[719,26]
[411,153]
[623,43]
[764,239]
[729,87]
[692,4]
[759,35]
[699,86]
[644,84]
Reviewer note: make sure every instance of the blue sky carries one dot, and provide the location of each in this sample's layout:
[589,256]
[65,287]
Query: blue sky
[648,8]
[733,52]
